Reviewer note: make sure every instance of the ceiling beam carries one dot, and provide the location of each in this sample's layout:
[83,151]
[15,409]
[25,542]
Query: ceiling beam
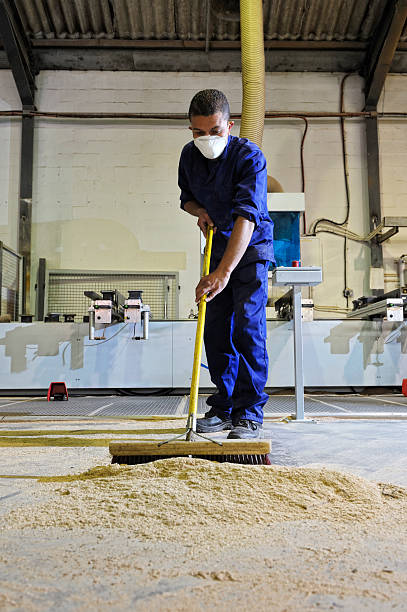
[179,60]
[381,53]
[17,48]
[313,45]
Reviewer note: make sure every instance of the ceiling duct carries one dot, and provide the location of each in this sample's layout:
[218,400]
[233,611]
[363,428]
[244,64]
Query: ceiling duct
[253,69]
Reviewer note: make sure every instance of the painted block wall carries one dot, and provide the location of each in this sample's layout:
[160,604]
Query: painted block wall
[105,192]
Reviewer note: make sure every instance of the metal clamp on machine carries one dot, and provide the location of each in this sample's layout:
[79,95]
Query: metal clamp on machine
[284,307]
[391,306]
[135,312]
[111,307]
[104,308]
[297,277]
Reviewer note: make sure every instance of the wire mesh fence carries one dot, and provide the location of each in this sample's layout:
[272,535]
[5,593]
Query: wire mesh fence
[10,282]
[66,288]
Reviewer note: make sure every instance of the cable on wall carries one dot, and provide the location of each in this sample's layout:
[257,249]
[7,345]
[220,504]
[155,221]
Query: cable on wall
[346,291]
[303,167]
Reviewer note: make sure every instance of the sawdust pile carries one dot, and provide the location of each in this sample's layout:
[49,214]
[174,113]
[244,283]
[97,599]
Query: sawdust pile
[165,499]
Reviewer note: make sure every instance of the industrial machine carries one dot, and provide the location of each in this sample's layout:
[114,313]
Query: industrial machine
[285,210]
[284,307]
[104,308]
[391,306]
[367,348]
[135,312]
[113,307]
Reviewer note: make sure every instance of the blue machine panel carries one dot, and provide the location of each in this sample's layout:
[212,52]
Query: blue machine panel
[286,237]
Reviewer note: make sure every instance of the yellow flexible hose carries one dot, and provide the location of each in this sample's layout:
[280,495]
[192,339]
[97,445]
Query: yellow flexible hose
[253,68]
[193,397]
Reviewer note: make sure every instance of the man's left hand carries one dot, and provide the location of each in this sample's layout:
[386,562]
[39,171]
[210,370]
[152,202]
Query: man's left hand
[211,285]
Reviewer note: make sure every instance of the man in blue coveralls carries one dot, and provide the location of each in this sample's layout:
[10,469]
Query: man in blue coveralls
[223,182]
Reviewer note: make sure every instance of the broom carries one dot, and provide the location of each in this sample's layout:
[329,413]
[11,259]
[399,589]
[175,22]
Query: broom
[252,452]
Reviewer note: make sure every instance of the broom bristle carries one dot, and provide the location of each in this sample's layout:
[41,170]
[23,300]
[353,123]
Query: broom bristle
[241,459]
[134,452]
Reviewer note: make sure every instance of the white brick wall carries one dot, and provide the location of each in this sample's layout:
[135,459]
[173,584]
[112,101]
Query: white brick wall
[106,195]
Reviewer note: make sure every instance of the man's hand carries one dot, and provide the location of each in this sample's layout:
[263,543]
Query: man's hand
[204,221]
[211,285]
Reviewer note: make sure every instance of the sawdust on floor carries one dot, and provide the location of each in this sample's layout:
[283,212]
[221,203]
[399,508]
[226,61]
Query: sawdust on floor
[158,499]
[188,534]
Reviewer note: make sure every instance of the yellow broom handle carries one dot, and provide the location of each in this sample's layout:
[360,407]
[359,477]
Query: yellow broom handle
[193,398]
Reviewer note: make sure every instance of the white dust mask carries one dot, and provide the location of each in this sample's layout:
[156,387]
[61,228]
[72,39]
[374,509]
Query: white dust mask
[211,146]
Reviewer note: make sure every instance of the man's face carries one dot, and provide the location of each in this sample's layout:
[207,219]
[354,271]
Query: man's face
[213,125]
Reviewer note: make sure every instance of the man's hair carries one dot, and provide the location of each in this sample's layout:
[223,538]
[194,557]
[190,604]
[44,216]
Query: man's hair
[208,102]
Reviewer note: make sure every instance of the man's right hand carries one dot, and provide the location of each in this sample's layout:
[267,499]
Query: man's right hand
[204,221]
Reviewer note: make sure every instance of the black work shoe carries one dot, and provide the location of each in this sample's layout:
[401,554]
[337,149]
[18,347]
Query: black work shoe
[213,422]
[245,430]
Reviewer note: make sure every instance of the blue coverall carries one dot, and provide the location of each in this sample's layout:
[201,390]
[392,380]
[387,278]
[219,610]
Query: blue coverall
[232,185]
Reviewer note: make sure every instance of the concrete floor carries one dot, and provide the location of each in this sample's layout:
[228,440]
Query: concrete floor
[278,405]
[45,569]
[376,450]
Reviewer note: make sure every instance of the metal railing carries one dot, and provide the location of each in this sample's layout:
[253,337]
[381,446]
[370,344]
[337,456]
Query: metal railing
[10,282]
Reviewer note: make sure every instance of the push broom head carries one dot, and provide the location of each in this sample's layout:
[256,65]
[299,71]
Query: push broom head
[250,452]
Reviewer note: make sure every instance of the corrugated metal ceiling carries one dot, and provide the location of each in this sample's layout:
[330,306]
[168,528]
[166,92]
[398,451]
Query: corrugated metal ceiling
[306,20]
